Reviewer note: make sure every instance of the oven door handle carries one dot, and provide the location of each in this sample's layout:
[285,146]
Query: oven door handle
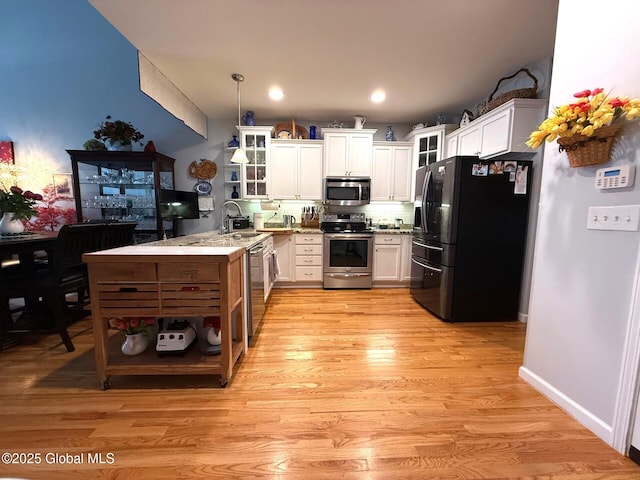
[347,236]
[424,265]
[343,275]
[430,247]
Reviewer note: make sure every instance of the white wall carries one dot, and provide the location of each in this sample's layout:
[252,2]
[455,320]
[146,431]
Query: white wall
[583,279]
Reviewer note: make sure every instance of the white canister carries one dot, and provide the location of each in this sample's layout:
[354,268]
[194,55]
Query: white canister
[258,221]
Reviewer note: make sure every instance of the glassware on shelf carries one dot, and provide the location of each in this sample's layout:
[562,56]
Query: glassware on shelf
[235,193]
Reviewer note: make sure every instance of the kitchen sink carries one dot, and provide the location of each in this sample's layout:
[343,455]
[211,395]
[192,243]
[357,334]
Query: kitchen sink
[245,234]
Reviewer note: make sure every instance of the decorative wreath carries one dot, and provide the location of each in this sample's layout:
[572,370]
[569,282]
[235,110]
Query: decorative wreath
[203,169]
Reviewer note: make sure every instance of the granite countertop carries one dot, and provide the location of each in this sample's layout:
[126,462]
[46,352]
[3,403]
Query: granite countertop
[394,231]
[207,243]
[240,239]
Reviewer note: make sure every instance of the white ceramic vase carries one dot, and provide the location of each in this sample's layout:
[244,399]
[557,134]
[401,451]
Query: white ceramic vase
[114,145]
[135,344]
[214,337]
[9,225]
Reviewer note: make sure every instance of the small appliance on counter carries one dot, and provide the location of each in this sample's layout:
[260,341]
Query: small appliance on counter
[176,338]
[239,222]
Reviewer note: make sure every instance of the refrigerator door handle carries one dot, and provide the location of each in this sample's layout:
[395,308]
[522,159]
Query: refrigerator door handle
[424,265]
[425,192]
[439,249]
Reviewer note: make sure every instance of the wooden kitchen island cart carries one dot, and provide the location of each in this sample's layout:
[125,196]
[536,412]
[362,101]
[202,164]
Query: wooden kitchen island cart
[166,282]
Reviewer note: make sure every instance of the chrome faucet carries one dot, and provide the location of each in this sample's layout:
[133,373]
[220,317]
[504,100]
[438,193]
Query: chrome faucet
[233,203]
[225,223]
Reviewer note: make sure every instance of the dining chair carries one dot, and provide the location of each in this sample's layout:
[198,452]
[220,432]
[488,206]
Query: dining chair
[66,274]
[119,234]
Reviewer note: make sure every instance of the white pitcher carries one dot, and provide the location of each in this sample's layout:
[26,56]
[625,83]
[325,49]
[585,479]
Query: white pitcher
[359,121]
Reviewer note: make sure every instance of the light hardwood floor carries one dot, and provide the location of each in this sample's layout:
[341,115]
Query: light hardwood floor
[340,384]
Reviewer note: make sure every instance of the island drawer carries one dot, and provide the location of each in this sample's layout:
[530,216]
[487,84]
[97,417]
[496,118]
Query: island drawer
[130,299]
[118,271]
[188,272]
[197,298]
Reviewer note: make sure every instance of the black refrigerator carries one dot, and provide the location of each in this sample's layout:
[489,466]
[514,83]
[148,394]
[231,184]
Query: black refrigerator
[469,237]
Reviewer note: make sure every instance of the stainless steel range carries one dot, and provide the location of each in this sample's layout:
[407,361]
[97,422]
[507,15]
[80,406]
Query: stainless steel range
[348,251]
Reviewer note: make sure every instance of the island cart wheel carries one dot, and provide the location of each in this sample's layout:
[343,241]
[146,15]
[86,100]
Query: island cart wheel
[106,384]
[223,382]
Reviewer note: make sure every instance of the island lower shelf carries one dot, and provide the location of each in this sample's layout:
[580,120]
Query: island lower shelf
[141,281]
[149,362]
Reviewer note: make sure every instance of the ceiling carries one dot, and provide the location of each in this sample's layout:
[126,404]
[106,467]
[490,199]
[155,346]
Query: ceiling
[329,55]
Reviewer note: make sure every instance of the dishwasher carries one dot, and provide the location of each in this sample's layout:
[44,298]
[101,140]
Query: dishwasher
[256,300]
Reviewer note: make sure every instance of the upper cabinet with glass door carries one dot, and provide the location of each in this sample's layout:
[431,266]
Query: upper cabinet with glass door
[428,146]
[256,142]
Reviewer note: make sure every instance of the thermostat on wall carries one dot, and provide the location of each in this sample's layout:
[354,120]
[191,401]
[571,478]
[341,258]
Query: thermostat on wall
[615,177]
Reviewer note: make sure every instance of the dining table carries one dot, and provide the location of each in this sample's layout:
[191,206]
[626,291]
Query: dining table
[23,245]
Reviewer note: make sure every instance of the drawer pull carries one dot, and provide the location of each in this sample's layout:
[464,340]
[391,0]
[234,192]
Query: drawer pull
[128,289]
[190,289]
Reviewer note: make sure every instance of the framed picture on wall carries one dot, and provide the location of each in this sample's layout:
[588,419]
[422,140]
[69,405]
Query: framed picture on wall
[6,151]
[62,182]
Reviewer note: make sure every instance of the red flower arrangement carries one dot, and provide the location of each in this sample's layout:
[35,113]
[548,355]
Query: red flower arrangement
[19,202]
[118,131]
[132,325]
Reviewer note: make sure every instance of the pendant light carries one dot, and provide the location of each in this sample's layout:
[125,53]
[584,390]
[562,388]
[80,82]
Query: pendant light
[239,156]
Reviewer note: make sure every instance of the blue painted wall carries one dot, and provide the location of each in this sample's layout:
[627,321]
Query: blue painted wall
[63,68]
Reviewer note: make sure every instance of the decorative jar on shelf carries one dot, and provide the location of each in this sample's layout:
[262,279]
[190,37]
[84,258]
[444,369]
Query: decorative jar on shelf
[234,143]
[389,136]
[135,344]
[235,193]
[249,119]
[234,176]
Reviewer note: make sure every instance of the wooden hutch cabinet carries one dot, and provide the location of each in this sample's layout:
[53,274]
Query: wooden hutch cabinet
[125,186]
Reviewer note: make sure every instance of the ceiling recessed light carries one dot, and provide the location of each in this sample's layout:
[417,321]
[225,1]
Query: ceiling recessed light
[378,96]
[276,93]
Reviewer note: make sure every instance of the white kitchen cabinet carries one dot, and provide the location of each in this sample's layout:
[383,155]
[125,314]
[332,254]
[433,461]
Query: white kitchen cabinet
[405,268]
[508,127]
[308,257]
[428,147]
[470,141]
[428,143]
[256,142]
[392,171]
[285,252]
[297,170]
[502,131]
[348,152]
[387,256]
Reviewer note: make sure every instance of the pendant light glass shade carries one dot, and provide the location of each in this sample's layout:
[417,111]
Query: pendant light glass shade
[239,156]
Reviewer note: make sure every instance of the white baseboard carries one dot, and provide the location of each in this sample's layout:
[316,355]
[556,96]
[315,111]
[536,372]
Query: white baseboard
[577,411]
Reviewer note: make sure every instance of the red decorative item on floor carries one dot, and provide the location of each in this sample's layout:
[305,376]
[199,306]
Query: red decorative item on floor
[6,152]
[149,147]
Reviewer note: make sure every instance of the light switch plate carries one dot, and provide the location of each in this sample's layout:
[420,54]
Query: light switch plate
[619,217]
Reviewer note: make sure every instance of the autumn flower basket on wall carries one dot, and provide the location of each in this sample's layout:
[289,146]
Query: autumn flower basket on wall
[586,129]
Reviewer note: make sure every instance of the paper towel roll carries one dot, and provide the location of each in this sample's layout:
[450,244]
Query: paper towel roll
[258,221]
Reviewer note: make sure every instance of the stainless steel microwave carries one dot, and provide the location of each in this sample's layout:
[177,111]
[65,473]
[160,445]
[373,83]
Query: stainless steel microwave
[347,191]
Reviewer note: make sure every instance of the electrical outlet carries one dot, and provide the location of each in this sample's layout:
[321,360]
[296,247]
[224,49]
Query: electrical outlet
[619,217]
